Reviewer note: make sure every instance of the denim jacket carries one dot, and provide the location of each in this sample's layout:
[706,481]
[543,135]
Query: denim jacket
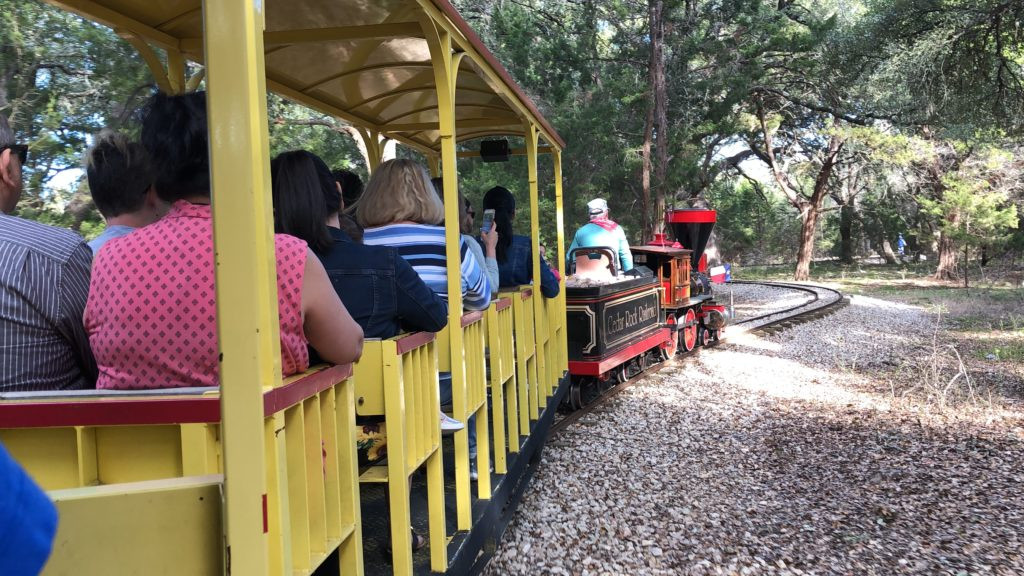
[517,269]
[381,290]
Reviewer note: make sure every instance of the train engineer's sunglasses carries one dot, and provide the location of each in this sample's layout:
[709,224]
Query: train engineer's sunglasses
[20,149]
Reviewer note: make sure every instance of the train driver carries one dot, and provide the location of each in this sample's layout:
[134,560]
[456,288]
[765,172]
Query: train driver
[601,231]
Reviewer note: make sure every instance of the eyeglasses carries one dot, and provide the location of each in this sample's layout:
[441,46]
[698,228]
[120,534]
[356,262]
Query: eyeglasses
[20,149]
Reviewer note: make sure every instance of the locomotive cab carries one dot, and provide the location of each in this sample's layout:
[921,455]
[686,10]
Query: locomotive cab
[681,267]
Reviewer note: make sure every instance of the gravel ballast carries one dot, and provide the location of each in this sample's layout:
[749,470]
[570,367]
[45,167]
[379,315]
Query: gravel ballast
[787,454]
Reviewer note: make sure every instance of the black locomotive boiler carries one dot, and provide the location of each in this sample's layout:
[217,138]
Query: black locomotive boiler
[618,326]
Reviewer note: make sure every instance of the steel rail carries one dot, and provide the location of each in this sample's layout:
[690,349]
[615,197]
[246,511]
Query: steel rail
[792,315]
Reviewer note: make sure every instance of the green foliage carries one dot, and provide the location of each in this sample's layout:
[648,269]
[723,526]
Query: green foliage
[973,210]
[295,127]
[751,228]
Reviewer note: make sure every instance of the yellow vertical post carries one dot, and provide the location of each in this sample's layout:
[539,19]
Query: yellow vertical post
[538,298]
[446,65]
[374,150]
[247,323]
[561,343]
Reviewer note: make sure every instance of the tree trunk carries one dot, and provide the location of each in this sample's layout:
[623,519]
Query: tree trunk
[659,101]
[967,267]
[806,251]
[947,259]
[846,218]
[886,252]
[645,178]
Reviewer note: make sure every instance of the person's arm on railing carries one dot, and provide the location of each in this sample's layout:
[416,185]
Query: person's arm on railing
[419,307]
[329,327]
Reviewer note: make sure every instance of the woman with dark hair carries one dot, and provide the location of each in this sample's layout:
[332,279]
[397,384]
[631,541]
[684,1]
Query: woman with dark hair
[515,253]
[151,314]
[378,287]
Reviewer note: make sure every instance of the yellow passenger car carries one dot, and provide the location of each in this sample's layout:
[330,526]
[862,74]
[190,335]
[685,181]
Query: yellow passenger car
[259,476]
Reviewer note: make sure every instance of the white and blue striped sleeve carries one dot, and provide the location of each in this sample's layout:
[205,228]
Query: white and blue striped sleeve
[476,288]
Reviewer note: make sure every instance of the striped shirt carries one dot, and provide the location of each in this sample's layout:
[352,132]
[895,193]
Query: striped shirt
[423,247]
[44,284]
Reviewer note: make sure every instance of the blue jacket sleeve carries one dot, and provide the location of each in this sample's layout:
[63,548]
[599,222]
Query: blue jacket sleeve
[419,307]
[28,521]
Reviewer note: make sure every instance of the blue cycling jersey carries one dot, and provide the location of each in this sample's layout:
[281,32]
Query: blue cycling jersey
[606,233]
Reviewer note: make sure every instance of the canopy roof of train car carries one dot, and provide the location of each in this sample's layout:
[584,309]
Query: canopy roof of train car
[364,61]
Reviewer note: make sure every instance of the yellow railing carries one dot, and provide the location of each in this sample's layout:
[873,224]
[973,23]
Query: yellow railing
[467,402]
[112,447]
[99,445]
[397,379]
[504,399]
[527,377]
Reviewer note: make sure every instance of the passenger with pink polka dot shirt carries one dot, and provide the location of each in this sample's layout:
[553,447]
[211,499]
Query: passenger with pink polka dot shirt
[151,313]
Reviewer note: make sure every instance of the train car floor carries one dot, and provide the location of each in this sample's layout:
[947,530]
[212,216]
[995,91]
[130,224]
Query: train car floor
[468,552]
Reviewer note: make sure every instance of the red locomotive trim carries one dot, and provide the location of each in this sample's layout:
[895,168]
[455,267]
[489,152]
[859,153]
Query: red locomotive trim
[294,392]
[526,294]
[598,367]
[502,303]
[689,216]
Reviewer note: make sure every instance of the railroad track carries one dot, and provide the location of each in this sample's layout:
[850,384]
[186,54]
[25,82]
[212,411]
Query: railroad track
[820,301]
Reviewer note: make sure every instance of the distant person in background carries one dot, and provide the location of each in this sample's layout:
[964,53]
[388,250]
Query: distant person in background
[351,188]
[121,184]
[44,284]
[901,245]
[28,521]
[514,251]
[601,231]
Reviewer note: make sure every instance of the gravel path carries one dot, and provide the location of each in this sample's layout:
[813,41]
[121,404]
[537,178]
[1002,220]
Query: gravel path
[780,455]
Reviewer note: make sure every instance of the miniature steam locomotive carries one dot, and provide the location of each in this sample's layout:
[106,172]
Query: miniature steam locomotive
[619,325]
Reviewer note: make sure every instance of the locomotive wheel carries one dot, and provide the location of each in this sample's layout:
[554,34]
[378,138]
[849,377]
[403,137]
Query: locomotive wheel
[689,332]
[575,396]
[622,373]
[672,346]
